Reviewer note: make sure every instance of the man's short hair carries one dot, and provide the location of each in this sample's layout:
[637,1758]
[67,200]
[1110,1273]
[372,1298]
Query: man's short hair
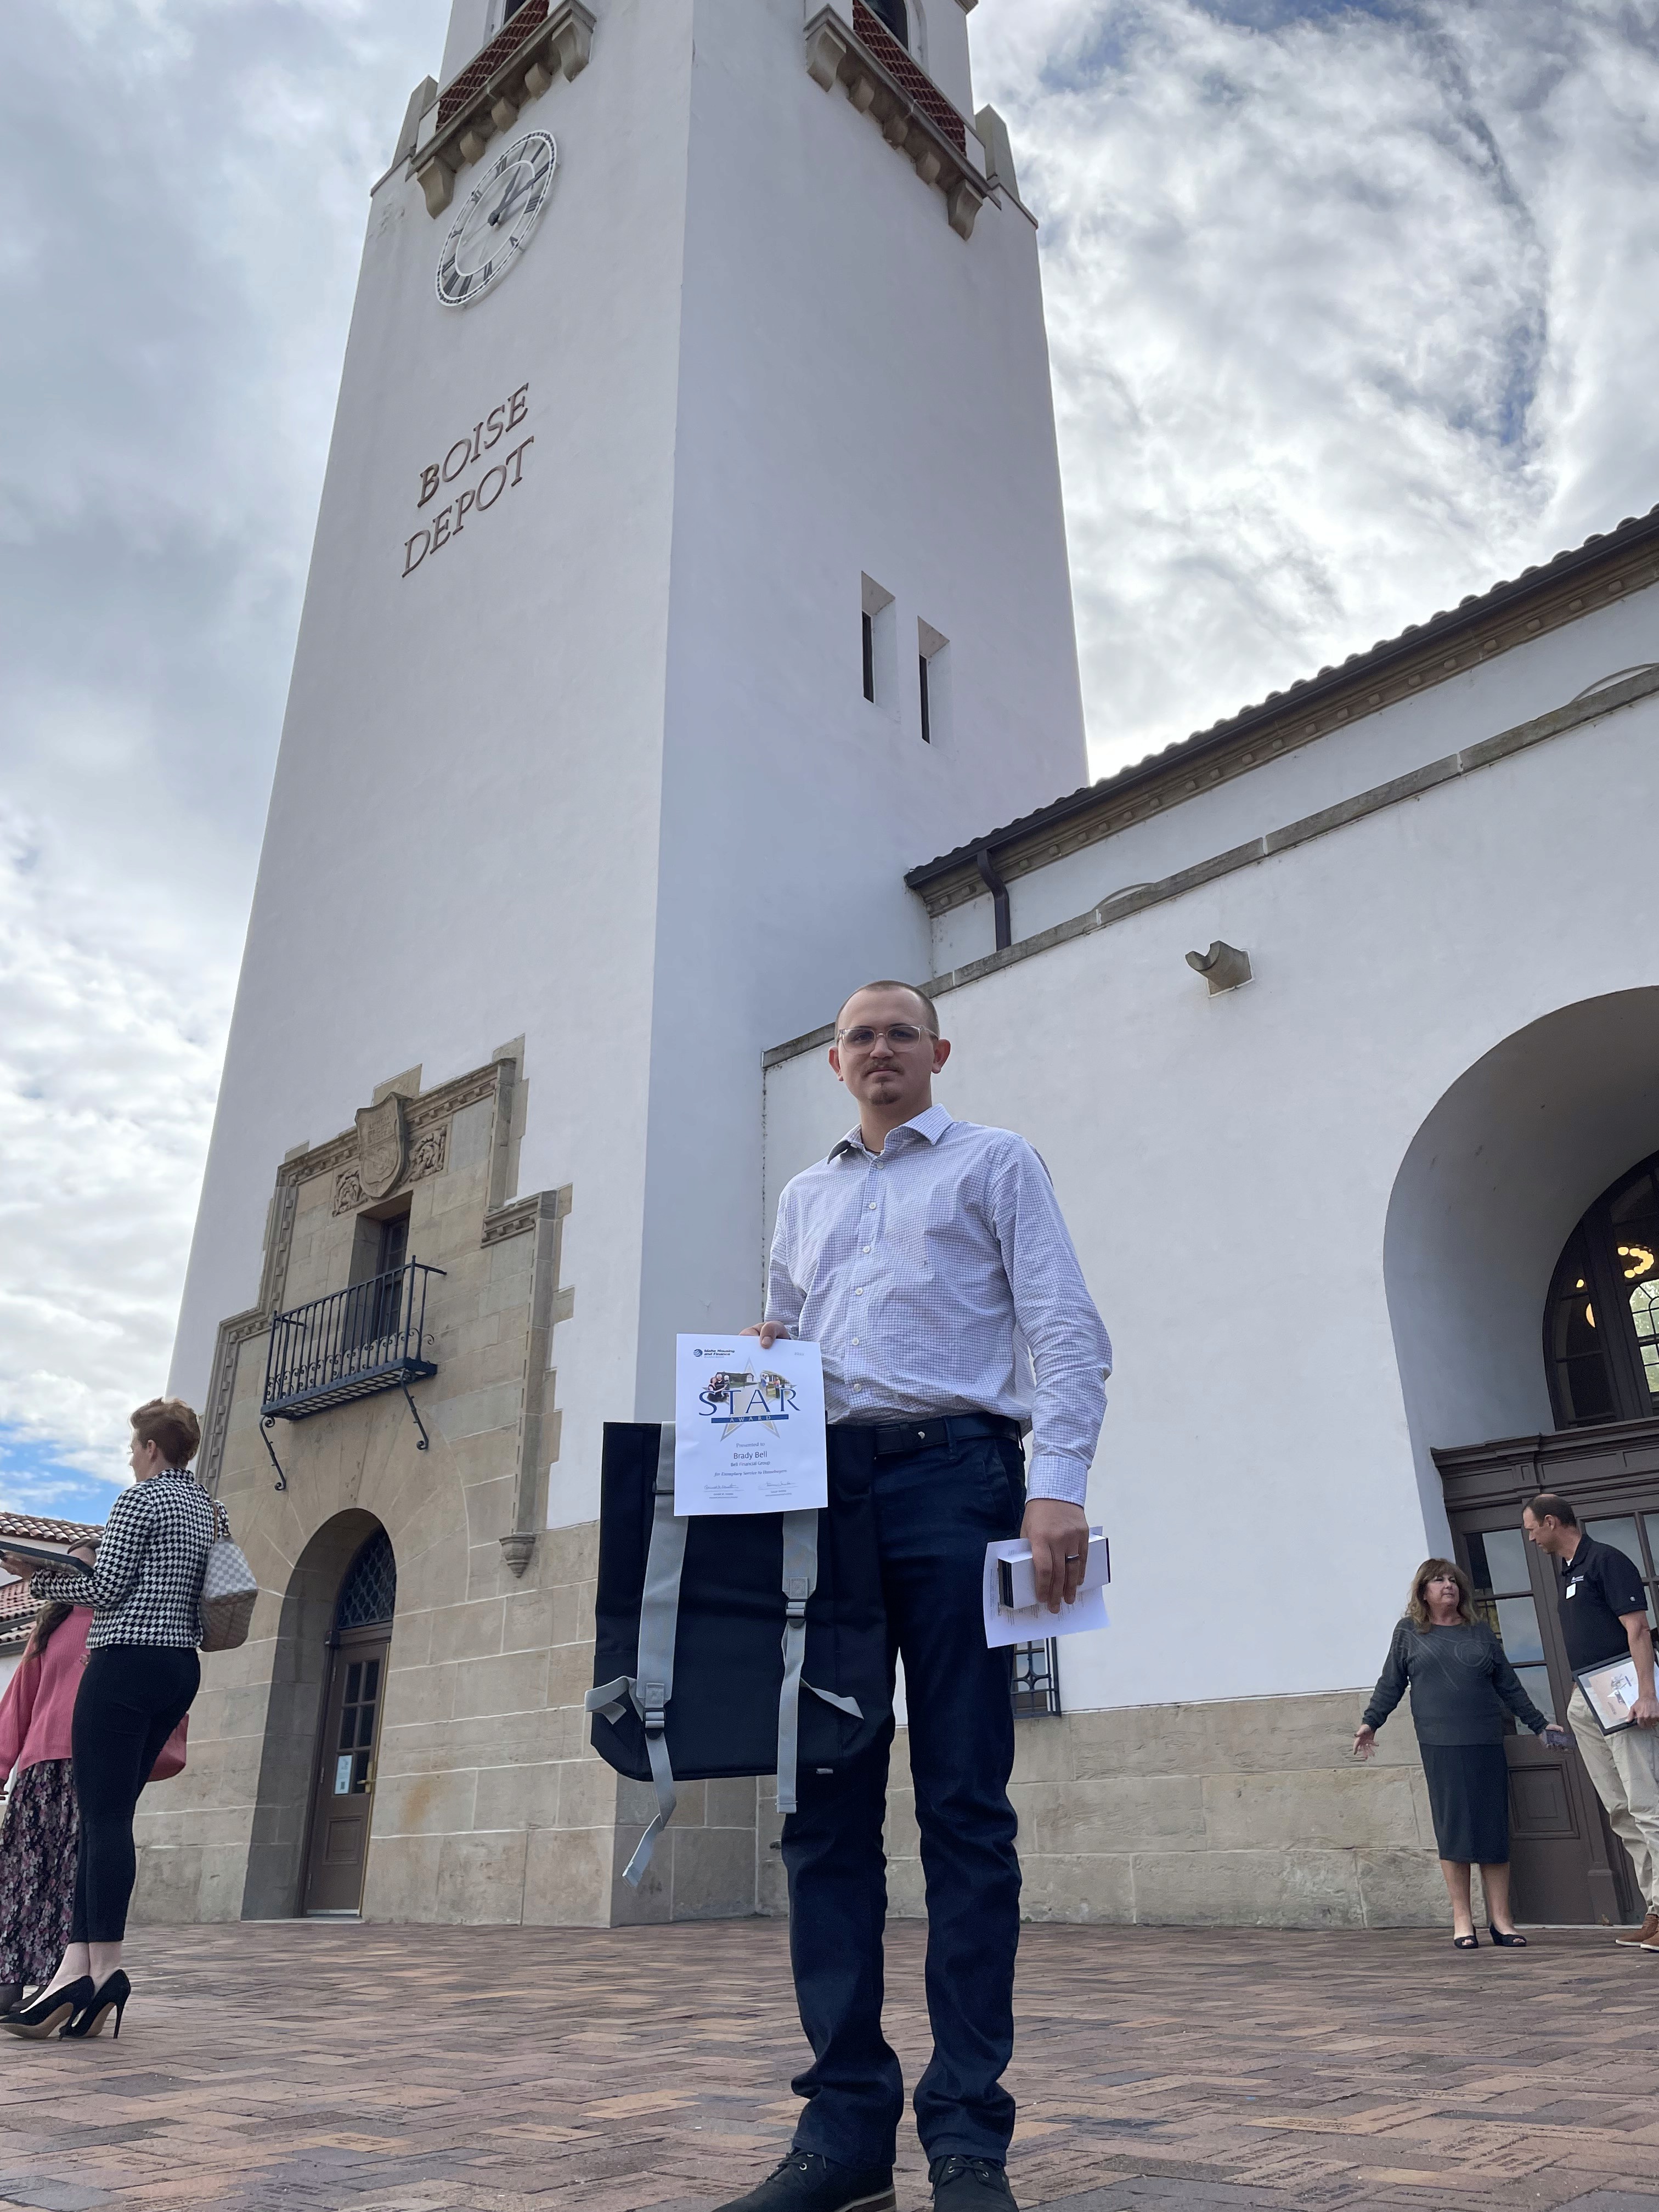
[1549,1505]
[930,1011]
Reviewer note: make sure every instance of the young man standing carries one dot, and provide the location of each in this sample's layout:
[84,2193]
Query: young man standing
[928,1258]
[1604,1614]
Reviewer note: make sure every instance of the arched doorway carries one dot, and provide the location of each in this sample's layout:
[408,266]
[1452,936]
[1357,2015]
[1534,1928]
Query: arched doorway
[1497,1253]
[343,1790]
[293,1726]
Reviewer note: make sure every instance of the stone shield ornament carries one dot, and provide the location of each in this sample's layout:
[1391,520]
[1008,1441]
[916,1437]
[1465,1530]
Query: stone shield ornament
[382,1146]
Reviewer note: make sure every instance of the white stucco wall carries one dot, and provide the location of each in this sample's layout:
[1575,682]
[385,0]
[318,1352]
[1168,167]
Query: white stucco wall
[1227,1166]
[1525,681]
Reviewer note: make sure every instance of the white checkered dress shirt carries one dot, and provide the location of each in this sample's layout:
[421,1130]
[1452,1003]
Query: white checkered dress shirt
[939,1278]
[146,1586]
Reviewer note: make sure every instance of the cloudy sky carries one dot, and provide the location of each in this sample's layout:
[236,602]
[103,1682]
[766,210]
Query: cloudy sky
[1352,308]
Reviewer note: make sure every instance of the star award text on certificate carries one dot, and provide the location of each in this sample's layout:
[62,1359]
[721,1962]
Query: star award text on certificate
[748,1427]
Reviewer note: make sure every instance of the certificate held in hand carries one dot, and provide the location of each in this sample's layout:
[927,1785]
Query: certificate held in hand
[748,1427]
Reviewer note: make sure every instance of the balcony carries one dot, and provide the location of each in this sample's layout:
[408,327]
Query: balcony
[358,1341]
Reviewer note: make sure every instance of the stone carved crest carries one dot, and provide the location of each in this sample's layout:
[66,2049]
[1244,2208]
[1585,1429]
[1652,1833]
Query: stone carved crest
[382,1146]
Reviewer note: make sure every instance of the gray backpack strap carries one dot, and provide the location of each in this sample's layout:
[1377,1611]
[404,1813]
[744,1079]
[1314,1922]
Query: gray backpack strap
[650,1690]
[800,1579]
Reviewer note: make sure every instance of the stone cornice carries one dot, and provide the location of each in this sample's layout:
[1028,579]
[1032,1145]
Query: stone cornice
[886,83]
[524,1215]
[1576,583]
[543,41]
[1600,701]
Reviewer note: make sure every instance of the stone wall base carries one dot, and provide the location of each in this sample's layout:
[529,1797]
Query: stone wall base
[1247,1813]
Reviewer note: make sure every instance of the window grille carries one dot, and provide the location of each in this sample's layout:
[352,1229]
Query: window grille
[1037,1680]
[368,1595]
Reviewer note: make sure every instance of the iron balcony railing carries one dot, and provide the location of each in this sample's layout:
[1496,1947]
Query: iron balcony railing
[371,1337]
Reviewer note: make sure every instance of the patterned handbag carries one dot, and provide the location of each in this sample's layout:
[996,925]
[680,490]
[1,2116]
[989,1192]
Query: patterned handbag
[229,1589]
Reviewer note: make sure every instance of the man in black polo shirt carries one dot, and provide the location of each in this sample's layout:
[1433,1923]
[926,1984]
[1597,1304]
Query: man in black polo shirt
[1604,1615]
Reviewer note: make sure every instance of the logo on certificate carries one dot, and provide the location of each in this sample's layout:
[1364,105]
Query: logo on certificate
[734,1399]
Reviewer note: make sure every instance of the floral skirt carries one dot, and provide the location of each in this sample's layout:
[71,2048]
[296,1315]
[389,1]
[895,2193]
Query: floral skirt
[37,1871]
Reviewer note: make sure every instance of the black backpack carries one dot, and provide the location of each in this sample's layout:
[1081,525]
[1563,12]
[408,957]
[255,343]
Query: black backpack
[731,1643]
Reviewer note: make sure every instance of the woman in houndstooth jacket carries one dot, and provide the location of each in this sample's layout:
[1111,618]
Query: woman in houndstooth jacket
[145,1588]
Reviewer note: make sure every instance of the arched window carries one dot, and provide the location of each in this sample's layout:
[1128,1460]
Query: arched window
[368,1595]
[1601,1325]
[897,16]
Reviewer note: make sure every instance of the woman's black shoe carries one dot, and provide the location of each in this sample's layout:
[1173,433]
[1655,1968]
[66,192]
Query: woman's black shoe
[90,2018]
[1466,1942]
[1510,1942]
[804,2182]
[49,2013]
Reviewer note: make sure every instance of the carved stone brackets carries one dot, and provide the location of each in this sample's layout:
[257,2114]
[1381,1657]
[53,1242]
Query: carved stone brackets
[883,83]
[542,42]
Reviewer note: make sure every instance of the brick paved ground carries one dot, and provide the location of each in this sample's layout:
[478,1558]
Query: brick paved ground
[272,2068]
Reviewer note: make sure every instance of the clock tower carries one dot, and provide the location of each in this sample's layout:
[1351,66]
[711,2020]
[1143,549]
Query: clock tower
[691,563]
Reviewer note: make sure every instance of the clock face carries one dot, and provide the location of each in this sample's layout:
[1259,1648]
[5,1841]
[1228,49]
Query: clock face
[493,228]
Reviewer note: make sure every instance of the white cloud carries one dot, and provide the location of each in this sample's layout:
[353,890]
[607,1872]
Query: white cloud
[188,186]
[1349,308]
[1352,311]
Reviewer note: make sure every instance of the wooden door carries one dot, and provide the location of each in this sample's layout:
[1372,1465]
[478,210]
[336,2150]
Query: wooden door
[343,1795]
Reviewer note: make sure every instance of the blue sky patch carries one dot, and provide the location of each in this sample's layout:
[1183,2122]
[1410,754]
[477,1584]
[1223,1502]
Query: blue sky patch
[35,1478]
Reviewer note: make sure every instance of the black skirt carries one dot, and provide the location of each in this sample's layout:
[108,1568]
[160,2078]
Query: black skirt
[1469,1797]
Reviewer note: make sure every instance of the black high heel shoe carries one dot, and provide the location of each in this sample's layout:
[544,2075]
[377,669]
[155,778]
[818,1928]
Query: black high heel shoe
[1470,1943]
[52,2012]
[98,2004]
[1510,1942]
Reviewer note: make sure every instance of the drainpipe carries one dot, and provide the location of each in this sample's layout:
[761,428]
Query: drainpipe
[999,890]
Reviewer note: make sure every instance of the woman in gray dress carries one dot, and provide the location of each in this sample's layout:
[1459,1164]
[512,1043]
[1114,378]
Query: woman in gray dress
[1461,1684]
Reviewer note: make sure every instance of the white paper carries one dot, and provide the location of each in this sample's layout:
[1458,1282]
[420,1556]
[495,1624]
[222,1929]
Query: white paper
[1032,1622]
[749,1432]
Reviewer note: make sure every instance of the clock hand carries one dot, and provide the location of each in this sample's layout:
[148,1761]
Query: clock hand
[508,202]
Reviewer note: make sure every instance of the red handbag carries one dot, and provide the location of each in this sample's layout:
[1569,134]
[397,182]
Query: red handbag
[170,1760]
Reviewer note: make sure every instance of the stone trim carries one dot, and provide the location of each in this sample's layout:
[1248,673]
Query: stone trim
[426,1121]
[428,1155]
[421,1115]
[1513,614]
[543,1215]
[883,83]
[541,43]
[1601,702]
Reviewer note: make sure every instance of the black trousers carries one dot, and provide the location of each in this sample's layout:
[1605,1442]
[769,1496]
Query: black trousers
[132,1696]
[935,1510]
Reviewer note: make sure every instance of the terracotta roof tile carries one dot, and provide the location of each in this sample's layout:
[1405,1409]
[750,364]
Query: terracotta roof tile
[47,1531]
[1474,607]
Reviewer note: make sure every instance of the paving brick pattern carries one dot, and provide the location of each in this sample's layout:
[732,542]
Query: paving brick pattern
[280,2067]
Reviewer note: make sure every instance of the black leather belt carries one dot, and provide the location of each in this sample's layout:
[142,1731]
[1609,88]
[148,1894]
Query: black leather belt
[894,1439]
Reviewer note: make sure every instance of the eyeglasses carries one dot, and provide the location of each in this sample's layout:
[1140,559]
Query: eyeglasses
[899,1035]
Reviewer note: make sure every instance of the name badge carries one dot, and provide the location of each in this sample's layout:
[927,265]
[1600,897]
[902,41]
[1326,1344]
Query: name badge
[1573,1590]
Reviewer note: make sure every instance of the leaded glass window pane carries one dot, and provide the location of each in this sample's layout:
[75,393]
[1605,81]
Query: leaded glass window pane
[369,1593]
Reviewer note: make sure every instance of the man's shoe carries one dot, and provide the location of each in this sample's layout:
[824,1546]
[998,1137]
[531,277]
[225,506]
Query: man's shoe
[969,2184]
[1646,1937]
[805,2182]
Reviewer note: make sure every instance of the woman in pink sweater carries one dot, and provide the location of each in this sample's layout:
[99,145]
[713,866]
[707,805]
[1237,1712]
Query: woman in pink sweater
[38,1843]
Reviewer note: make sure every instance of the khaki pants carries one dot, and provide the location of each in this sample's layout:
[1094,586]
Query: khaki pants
[1625,1769]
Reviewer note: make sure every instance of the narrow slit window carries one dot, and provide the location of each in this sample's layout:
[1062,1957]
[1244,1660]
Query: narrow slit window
[879,632]
[933,683]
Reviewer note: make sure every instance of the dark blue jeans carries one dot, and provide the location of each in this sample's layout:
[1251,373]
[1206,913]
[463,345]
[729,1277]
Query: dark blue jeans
[935,1512]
